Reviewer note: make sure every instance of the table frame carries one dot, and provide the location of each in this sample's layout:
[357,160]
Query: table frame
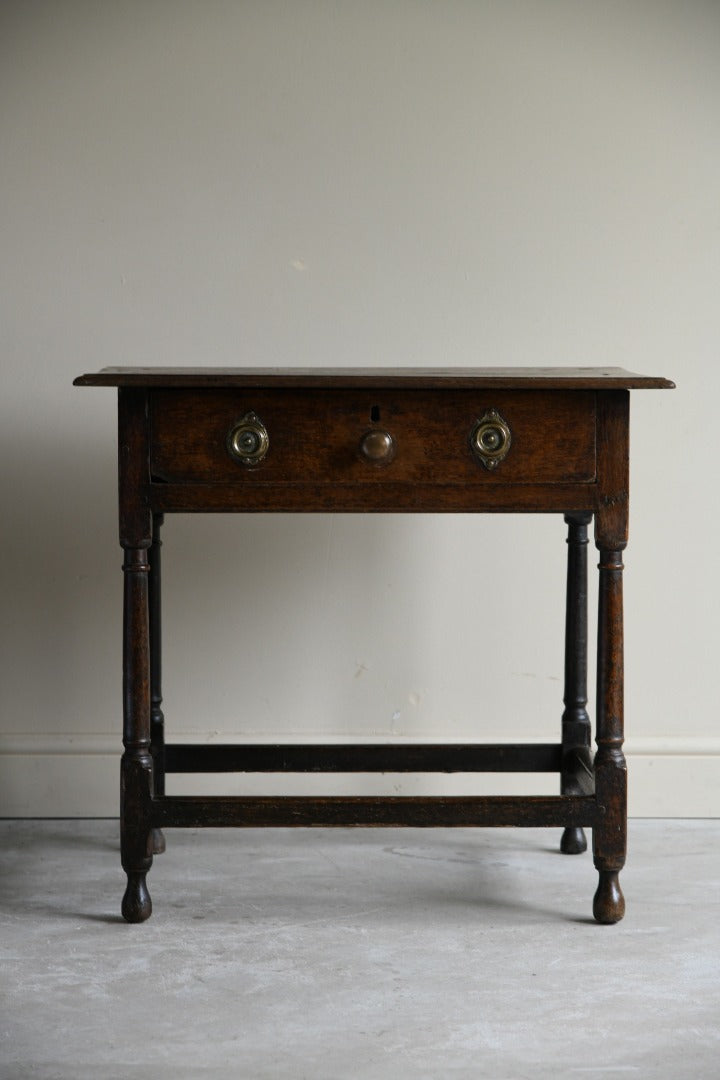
[593,788]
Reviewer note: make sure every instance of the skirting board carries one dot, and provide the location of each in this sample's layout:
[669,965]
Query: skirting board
[78,776]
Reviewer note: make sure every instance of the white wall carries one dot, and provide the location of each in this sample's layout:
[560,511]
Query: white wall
[375,183]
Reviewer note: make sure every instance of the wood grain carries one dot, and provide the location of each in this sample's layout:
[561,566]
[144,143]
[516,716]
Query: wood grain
[490,378]
[568,455]
[315,436]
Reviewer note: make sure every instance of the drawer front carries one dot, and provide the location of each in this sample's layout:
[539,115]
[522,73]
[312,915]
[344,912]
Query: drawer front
[368,437]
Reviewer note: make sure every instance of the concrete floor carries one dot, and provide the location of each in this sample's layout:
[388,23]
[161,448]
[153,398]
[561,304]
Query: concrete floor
[320,955]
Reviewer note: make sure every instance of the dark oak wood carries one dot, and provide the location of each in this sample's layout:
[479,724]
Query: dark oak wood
[347,758]
[194,811]
[157,719]
[578,771]
[135,517]
[611,533]
[136,768]
[610,834]
[378,440]
[489,378]
[136,773]
[576,733]
[315,437]
[385,497]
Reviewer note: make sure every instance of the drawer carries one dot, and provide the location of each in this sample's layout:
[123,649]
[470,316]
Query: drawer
[319,436]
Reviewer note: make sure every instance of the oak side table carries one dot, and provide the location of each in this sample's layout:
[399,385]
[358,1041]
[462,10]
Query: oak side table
[490,440]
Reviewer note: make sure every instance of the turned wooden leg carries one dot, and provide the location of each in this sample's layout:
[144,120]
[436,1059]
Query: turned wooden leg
[575,719]
[157,720]
[610,834]
[136,785]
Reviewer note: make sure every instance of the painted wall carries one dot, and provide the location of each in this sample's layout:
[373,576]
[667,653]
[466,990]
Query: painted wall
[317,183]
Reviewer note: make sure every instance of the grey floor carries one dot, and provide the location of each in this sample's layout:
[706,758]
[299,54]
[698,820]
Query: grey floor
[358,953]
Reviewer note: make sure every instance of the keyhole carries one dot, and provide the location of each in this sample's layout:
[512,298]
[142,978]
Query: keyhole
[375,414]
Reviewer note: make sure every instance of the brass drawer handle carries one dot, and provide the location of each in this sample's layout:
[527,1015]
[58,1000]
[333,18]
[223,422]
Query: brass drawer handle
[248,440]
[490,439]
[377,447]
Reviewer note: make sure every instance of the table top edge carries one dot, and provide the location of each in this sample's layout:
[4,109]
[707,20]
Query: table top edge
[568,378]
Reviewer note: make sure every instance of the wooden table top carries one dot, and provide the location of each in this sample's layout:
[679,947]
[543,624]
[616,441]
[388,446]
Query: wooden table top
[490,378]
